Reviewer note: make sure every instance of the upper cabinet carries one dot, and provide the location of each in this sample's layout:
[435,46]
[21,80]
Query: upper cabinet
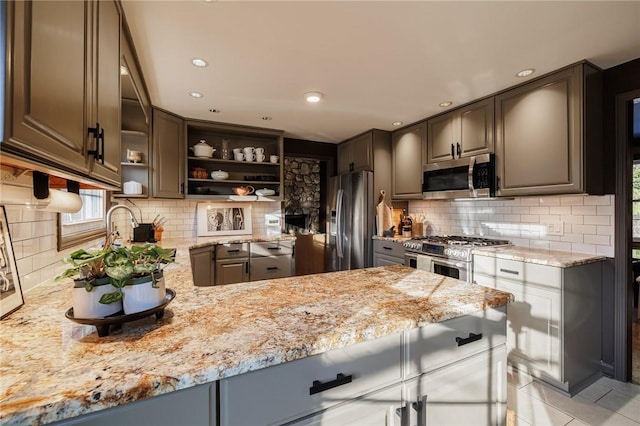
[259,166]
[368,151]
[464,132]
[356,154]
[64,86]
[409,149]
[168,155]
[548,133]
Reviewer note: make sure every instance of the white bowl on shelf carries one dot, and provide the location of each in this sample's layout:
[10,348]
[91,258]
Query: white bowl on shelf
[265,192]
[219,175]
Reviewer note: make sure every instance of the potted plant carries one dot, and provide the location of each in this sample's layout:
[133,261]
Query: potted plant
[137,272]
[91,285]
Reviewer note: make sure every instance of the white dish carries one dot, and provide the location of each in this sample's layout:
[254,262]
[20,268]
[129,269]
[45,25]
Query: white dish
[219,175]
[265,192]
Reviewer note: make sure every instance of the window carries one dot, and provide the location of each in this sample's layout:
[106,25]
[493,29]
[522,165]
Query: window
[85,225]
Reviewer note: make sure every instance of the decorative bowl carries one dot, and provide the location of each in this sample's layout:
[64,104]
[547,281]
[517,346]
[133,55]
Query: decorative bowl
[265,192]
[219,175]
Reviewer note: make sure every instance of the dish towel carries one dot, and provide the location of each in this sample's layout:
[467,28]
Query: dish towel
[424,263]
[384,213]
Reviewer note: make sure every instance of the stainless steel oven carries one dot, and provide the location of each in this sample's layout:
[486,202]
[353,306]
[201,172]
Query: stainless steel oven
[452,255]
[450,268]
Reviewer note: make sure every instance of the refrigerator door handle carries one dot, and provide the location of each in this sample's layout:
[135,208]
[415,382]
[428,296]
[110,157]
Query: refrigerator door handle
[339,224]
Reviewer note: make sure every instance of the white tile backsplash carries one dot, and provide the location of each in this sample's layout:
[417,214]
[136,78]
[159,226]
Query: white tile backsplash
[588,220]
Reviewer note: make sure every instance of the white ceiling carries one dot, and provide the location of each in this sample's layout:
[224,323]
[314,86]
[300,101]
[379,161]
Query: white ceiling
[376,62]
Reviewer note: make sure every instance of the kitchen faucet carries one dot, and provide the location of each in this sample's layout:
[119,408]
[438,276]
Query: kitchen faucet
[134,222]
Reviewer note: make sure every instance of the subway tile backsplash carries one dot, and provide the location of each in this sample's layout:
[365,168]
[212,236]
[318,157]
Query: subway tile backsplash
[588,221]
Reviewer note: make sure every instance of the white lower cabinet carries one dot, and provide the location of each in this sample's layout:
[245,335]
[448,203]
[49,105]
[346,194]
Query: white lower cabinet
[193,406]
[456,367]
[471,391]
[382,408]
[554,322]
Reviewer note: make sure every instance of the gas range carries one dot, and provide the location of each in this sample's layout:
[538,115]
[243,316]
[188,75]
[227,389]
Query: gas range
[456,247]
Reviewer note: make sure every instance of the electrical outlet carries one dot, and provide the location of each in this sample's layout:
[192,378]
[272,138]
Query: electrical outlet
[555,228]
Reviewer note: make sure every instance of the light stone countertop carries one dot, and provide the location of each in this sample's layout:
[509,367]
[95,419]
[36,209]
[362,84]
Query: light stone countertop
[53,369]
[560,259]
[396,238]
[197,242]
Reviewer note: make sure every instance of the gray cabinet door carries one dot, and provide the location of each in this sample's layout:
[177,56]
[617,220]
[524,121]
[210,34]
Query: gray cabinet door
[168,155]
[464,132]
[476,129]
[407,153]
[356,154]
[538,136]
[47,82]
[441,134]
[107,91]
[271,267]
[232,271]
[202,265]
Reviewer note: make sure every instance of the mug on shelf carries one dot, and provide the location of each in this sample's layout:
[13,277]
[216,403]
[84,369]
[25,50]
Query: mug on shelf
[238,156]
[259,151]
[249,156]
[237,151]
[273,158]
[249,150]
[260,157]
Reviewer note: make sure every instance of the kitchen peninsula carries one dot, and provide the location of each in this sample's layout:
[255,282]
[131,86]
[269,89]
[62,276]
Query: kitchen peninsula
[59,370]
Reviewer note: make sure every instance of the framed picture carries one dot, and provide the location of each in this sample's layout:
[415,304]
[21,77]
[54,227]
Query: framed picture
[223,219]
[10,290]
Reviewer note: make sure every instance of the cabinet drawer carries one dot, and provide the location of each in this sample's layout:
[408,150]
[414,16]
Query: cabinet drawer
[266,268]
[382,260]
[513,270]
[282,393]
[272,248]
[389,248]
[232,251]
[442,343]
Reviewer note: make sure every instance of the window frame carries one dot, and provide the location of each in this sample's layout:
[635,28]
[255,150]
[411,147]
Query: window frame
[75,239]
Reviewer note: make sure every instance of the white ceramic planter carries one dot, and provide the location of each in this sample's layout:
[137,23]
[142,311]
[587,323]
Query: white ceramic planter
[86,303]
[141,294]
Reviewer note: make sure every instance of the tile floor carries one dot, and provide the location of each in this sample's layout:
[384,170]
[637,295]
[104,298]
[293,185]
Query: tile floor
[606,402]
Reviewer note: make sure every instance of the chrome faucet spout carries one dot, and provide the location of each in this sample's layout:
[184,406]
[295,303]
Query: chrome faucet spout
[134,222]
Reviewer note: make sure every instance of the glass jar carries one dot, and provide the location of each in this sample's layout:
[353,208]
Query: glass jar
[224,152]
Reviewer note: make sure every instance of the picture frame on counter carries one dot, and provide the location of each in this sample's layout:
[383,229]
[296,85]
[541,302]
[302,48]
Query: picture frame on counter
[11,297]
[225,218]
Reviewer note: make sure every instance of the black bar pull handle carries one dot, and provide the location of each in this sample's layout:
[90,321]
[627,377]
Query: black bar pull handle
[340,380]
[233,251]
[387,248]
[273,248]
[272,268]
[101,155]
[95,131]
[472,338]
[452,152]
[509,271]
[458,149]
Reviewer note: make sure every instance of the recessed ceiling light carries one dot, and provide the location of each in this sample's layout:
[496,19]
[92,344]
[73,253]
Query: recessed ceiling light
[123,70]
[267,118]
[445,104]
[214,110]
[526,73]
[397,123]
[199,62]
[313,97]
[196,94]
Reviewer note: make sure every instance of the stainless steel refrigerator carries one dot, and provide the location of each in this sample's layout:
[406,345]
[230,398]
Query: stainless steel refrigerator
[351,221]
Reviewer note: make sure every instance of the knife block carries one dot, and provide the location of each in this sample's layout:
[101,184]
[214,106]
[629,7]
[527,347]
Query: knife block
[143,233]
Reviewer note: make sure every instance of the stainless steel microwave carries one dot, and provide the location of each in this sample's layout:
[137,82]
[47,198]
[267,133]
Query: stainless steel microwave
[472,177]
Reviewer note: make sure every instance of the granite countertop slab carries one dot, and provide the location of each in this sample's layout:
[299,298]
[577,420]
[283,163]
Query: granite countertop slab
[197,242]
[395,238]
[560,259]
[53,369]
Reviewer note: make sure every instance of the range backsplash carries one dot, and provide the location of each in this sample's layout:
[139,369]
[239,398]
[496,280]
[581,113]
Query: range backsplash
[588,221]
